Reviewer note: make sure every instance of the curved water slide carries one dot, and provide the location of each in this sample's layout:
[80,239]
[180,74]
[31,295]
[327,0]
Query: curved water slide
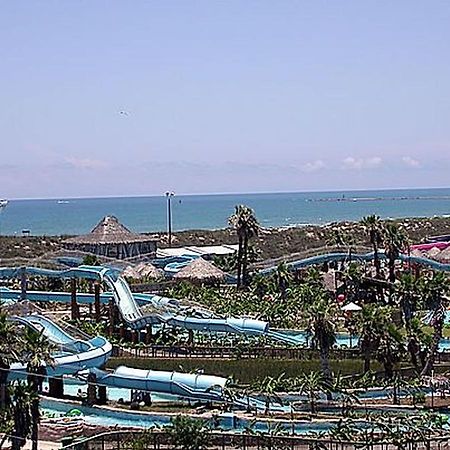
[337,257]
[129,308]
[80,358]
[74,355]
[128,304]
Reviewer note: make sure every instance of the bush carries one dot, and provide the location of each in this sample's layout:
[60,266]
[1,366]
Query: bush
[187,433]
[244,370]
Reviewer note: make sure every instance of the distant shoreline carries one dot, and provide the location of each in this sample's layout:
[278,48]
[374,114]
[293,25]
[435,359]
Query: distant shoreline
[377,199]
[220,194]
[273,242]
[149,214]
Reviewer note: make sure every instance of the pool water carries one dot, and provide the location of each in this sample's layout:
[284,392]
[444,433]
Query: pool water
[120,418]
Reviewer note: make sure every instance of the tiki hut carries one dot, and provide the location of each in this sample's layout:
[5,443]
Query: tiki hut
[112,239]
[149,271]
[444,256]
[201,271]
[132,273]
[418,253]
[433,253]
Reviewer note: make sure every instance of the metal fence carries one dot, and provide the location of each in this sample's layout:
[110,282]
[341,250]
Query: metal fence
[228,352]
[160,440]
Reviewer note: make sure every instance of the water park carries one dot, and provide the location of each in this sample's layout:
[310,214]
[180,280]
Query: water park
[117,344]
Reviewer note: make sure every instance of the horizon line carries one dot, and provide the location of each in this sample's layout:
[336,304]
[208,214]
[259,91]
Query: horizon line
[101,197]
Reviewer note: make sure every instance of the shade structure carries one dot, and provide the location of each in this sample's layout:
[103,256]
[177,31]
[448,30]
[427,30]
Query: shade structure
[148,270]
[202,271]
[131,272]
[112,239]
[351,307]
[417,252]
[433,253]
[444,256]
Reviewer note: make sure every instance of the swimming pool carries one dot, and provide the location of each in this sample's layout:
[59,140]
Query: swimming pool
[135,419]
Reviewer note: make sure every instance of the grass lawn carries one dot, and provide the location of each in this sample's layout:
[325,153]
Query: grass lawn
[243,370]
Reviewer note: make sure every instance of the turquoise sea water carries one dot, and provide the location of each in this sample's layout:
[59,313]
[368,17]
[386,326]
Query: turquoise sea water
[147,214]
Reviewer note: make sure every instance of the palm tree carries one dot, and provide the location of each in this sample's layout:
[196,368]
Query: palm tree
[8,344]
[348,397]
[21,400]
[37,353]
[407,291]
[395,241]
[340,239]
[390,348]
[246,225]
[373,227]
[418,341]
[322,316]
[283,279]
[268,387]
[312,384]
[372,325]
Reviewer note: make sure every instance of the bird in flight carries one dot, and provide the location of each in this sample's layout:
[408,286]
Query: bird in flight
[124,113]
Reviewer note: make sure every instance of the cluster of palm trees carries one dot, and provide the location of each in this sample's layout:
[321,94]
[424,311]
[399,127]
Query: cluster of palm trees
[388,235]
[391,323]
[246,225]
[19,400]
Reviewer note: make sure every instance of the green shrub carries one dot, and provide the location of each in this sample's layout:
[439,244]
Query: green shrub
[243,370]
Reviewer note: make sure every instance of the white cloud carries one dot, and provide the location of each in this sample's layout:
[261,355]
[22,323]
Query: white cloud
[313,166]
[352,163]
[411,162]
[85,163]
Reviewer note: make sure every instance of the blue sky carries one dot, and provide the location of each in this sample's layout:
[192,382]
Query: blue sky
[222,96]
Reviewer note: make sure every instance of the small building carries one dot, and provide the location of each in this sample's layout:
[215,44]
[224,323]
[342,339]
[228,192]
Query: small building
[112,239]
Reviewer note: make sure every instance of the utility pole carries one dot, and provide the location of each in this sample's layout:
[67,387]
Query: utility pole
[169,196]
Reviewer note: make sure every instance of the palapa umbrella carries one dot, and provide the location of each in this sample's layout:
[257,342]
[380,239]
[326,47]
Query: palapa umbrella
[351,307]
[200,270]
[433,253]
[418,253]
[444,256]
[149,271]
[131,272]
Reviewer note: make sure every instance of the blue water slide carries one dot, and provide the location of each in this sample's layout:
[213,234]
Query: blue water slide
[49,329]
[75,356]
[335,257]
[97,351]
[128,304]
[134,317]
[187,385]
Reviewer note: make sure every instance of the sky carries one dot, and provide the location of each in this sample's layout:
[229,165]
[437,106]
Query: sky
[109,98]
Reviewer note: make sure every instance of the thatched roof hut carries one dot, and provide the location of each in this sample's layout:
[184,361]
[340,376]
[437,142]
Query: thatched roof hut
[147,270]
[444,256]
[131,272]
[112,239]
[201,271]
[433,253]
[417,252]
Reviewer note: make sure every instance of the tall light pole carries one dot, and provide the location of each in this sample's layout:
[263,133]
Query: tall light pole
[169,196]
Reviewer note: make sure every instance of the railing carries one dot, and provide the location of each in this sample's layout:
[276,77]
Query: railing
[158,440]
[228,352]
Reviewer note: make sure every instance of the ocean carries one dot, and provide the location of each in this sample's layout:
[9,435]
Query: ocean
[148,214]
